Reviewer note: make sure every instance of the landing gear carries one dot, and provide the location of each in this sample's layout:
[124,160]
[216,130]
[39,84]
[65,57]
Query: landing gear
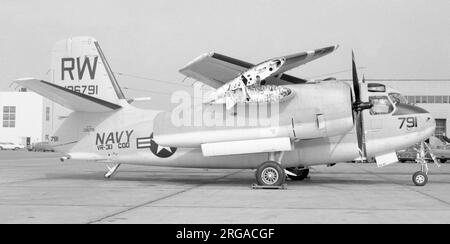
[270,173]
[420,178]
[111,170]
[299,173]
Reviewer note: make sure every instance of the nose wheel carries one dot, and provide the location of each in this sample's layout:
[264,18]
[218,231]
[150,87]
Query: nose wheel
[420,178]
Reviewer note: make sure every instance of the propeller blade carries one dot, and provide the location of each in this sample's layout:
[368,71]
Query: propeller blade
[362,137]
[355,80]
[358,107]
[359,132]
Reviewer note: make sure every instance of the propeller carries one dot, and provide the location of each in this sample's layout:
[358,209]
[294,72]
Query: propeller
[358,107]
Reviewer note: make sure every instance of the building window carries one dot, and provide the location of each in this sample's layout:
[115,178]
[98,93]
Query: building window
[428,99]
[47,113]
[441,127]
[417,99]
[9,116]
[424,99]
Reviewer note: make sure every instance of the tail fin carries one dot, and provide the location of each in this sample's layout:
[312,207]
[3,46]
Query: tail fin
[78,64]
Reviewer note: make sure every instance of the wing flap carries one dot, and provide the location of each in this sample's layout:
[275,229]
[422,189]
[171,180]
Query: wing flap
[248,146]
[67,98]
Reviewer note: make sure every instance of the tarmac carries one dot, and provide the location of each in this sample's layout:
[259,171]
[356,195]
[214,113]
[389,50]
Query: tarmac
[38,188]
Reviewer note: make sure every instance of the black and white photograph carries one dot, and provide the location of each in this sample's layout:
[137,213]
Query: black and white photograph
[246,114]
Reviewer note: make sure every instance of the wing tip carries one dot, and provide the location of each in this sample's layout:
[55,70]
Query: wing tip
[25,79]
[25,82]
[333,48]
[195,60]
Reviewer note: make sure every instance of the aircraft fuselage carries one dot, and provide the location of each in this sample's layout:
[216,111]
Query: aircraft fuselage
[129,135]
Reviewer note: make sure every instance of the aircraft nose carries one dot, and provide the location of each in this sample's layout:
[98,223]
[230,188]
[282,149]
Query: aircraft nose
[430,123]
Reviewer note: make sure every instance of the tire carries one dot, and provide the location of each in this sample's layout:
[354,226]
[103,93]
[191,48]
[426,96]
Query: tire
[442,160]
[301,173]
[270,174]
[420,178]
[1,148]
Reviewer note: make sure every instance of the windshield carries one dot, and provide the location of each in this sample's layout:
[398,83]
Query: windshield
[381,105]
[397,98]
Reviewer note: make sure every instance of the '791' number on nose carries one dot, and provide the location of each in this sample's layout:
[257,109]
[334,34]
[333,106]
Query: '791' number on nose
[410,122]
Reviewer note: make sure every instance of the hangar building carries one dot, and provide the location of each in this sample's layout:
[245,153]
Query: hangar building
[26,117]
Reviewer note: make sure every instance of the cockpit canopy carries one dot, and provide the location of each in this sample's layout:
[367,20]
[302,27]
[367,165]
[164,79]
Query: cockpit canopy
[384,98]
[394,95]
[398,98]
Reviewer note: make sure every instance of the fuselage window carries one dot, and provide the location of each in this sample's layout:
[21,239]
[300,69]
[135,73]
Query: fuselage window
[381,105]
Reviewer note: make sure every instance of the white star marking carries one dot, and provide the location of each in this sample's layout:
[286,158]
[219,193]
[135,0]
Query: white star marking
[161,148]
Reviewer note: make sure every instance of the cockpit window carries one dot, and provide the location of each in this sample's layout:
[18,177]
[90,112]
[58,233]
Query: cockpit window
[398,98]
[381,105]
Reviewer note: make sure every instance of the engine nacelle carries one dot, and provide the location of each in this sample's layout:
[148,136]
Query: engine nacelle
[313,110]
[324,110]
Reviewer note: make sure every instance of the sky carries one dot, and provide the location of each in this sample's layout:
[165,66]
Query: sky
[154,39]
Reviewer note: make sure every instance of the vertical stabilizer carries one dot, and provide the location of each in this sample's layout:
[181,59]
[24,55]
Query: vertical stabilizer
[78,64]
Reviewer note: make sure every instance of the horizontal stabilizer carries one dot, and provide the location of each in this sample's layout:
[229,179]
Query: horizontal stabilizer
[70,99]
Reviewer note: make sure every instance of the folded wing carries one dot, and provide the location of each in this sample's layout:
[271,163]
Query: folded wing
[216,69]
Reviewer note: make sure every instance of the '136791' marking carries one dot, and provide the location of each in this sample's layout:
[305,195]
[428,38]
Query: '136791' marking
[85,89]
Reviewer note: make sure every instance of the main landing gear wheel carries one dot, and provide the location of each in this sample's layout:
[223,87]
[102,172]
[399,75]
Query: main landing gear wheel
[270,174]
[420,178]
[301,173]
